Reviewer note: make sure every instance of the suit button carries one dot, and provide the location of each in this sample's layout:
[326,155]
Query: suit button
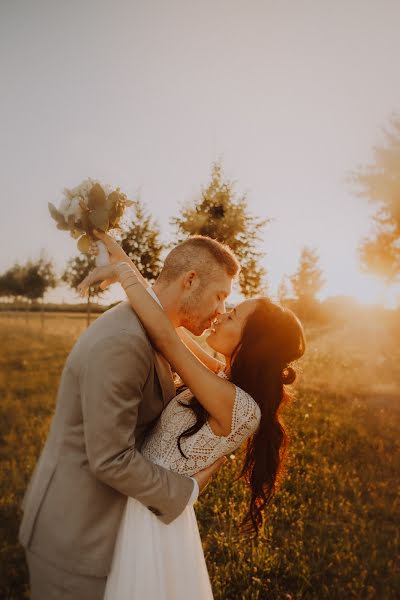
[155,511]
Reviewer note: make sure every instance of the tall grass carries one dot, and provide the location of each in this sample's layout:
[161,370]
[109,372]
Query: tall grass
[332,529]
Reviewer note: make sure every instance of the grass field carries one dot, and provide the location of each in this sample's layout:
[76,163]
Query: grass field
[332,530]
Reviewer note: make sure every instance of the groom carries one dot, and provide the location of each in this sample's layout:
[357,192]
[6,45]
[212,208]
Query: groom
[113,388]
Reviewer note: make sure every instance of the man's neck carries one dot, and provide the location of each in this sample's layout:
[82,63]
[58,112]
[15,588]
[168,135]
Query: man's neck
[169,303]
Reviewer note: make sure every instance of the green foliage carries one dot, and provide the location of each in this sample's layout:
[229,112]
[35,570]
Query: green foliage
[77,269]
[331,531]
[379,183]
[84,244]
[283,291]
[38,278]
[29,281]
[221,216]
[11,282]
[141,242]
[58,217]
[94,210]
[307,281]
[380,254]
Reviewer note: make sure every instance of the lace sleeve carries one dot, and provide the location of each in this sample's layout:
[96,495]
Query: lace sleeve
[204,447]
[246,412]
[246,415]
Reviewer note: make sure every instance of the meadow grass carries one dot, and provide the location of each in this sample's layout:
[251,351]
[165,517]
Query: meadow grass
[332,530]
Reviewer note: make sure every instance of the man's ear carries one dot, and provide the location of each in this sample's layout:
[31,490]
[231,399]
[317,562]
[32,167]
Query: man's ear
[188,279]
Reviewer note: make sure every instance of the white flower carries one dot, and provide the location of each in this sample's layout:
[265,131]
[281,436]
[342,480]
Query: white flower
[64,206]
[74,208]
[70,205]
[83,188]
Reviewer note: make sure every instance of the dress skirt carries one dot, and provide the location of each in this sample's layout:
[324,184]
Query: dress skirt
[154,561]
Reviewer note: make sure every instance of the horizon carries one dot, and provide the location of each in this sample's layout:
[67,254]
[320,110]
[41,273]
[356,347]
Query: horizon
[292,98]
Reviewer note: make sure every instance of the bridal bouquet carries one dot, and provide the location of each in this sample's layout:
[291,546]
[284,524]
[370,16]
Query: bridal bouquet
[91,205]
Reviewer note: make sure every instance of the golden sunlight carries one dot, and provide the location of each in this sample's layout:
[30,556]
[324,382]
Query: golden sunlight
[368,289]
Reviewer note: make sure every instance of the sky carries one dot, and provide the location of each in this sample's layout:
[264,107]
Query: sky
[290,96]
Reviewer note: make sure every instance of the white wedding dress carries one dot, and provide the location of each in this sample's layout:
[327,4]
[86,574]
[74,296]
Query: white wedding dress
[154,561]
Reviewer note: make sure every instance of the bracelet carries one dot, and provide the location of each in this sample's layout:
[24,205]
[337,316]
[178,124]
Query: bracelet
[126,272]
[128,278]
[126,275]
[119,275]
[119,265]
[130,285]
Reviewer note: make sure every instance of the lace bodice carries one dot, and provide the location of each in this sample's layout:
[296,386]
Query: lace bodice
[204,447]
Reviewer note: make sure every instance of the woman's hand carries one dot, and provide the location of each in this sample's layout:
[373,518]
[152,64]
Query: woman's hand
[115,251]
[107,274]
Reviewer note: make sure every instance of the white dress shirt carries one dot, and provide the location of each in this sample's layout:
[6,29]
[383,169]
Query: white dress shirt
[195,492]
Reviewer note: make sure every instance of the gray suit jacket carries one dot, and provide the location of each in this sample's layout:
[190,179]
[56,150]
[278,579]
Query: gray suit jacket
[113,387]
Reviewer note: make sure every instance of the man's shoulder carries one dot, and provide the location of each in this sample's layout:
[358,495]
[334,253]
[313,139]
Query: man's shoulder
[122,315]
[117,322]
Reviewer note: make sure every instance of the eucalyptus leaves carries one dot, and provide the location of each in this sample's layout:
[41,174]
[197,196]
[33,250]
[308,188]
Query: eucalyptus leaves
[89,206]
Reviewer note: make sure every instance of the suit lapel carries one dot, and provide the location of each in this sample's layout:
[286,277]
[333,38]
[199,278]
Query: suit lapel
[164,374]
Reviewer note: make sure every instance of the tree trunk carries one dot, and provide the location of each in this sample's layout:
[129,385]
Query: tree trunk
[42,316]
[27,311]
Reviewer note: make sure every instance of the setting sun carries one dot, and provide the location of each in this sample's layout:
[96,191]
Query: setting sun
[196,200]
[368,289]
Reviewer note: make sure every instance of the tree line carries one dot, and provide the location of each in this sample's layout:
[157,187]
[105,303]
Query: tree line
[219,213]
[222,215]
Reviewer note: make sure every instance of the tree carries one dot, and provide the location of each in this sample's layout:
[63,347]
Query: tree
[221,216]
[380,254]
[379,183]
[77,269]
[283,291]
[307,281]
[29,281]
[37,278]
[142,244]
[11,282]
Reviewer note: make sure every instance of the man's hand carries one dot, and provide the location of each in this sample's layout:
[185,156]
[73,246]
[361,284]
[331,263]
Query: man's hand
[203,477]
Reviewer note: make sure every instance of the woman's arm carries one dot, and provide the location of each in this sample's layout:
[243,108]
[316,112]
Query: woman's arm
[117,254]
[217,395]
[138,274]
[211,363]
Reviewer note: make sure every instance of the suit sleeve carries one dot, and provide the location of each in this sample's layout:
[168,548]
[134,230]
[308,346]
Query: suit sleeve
[111,382]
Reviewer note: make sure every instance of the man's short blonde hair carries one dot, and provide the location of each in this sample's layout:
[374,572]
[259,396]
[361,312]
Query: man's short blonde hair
[201,254]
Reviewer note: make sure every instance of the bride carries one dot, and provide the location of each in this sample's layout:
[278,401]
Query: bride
[225,403]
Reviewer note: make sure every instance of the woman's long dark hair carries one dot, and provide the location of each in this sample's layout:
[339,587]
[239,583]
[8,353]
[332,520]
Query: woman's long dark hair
[272,338]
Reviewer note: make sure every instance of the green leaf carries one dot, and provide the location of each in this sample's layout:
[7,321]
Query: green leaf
[84,244]
[99,219]
[57,216]
[53,211]
[71,222]
[97,197]
[62,226]
[112,199]
[85,223]
[116,213]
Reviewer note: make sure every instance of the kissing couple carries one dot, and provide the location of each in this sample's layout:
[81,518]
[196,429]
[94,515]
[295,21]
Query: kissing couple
[108,512]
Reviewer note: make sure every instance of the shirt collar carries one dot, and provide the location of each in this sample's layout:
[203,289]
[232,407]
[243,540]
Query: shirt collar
[154,295]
